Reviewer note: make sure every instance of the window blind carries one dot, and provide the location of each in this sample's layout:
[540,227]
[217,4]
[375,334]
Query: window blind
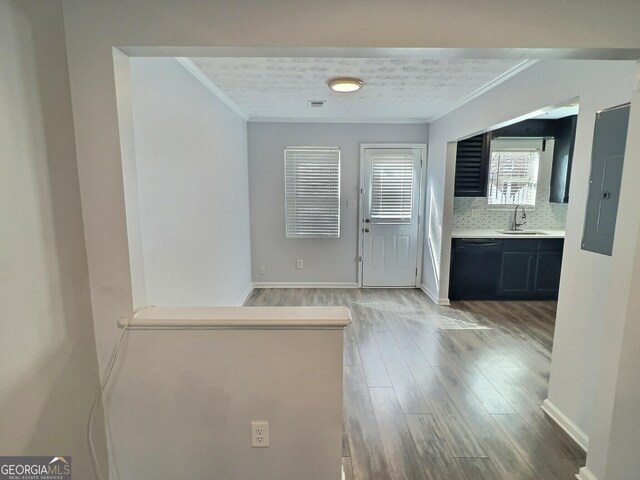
[513,174]
[391,188]
[312,192]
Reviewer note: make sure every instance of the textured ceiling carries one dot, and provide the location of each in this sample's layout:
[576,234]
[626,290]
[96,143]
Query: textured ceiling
[394,88]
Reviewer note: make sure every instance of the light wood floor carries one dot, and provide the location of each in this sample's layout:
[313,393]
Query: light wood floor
[444,392]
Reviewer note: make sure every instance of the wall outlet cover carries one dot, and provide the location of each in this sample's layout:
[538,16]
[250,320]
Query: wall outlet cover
[259,434]
[299,264]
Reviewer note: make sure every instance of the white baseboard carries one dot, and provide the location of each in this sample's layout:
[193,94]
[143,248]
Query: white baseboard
[305,285]
[585,474]
[581,438]
[433,296]
[245,296]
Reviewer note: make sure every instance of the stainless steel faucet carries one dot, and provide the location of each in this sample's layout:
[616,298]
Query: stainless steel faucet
[514,224]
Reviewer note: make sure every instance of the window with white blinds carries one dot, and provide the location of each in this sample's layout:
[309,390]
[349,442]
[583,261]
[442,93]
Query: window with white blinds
[513,173]
[391,188]
[312,192]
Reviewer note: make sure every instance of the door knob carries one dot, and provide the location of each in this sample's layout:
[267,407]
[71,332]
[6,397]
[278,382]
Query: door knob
[366,230]
[366,220]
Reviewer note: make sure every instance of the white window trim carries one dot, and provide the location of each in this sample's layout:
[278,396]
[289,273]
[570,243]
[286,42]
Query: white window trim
[515,144]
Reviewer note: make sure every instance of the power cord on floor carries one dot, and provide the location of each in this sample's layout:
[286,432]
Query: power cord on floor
[114,356]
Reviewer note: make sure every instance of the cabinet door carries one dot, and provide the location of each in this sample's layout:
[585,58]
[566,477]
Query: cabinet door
[472,166]
[517,275]
[548,266]
[565,137]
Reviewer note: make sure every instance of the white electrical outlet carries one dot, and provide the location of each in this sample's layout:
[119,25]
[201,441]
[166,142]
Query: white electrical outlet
[259,434]
[299,264]
[261,270]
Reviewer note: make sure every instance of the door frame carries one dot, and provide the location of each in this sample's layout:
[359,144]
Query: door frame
[421,204]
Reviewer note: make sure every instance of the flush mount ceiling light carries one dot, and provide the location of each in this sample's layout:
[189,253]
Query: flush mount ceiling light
[345,84]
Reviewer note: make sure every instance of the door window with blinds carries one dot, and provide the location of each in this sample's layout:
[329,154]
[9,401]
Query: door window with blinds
[312,192]
[513,171]
[391,188]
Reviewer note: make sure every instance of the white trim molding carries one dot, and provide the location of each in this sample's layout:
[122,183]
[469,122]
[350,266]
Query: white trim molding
[580,437]
[389,120]
[245,296]
[194,70]
[438,301]
[305,285]
[488,86]
[585,474]
[238,318]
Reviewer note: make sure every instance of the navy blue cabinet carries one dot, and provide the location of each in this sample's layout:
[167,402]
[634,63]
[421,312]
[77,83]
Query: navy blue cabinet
[547,274]
[517,274]
[507,269]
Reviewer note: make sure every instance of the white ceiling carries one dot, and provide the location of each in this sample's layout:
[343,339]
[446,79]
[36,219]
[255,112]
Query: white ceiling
[407,89]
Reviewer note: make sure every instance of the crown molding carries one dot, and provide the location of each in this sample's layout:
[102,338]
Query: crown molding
[486,87]
[193,69]
[335,120]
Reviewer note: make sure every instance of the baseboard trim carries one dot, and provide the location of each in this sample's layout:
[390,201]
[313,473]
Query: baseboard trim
[245,296]
[434,297]
[581,438]
[585,474]
[305,285]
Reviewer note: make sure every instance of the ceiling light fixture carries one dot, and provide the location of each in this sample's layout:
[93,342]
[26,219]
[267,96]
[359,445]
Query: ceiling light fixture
[345,84]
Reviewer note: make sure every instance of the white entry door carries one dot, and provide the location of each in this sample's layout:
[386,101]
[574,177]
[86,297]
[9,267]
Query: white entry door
[391,193]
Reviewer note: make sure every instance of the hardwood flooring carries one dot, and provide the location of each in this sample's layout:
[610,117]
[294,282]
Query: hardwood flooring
[436,392]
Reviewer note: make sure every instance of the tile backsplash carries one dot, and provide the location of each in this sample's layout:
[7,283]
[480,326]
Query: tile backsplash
[475,213]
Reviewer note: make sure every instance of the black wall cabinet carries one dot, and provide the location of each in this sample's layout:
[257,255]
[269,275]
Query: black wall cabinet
[565,137]
[528,128]
[472,166]
[508,269]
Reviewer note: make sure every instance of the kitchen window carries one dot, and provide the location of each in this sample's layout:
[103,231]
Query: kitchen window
[312,192]
[513,172]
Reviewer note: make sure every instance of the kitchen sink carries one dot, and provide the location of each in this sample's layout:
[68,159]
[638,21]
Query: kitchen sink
[520,232]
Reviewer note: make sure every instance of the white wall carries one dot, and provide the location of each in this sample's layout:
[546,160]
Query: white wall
[325,260]
[615,423]
[585,276]
[48,363]
[193,198]
[171,419]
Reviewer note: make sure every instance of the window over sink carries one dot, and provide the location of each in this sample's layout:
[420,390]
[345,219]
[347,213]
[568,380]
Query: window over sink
[513,171]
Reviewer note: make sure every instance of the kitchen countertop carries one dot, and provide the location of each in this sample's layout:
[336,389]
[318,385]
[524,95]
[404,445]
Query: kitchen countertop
[493,233]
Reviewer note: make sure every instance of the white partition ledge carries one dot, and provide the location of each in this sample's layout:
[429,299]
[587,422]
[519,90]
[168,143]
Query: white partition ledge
[236,318]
